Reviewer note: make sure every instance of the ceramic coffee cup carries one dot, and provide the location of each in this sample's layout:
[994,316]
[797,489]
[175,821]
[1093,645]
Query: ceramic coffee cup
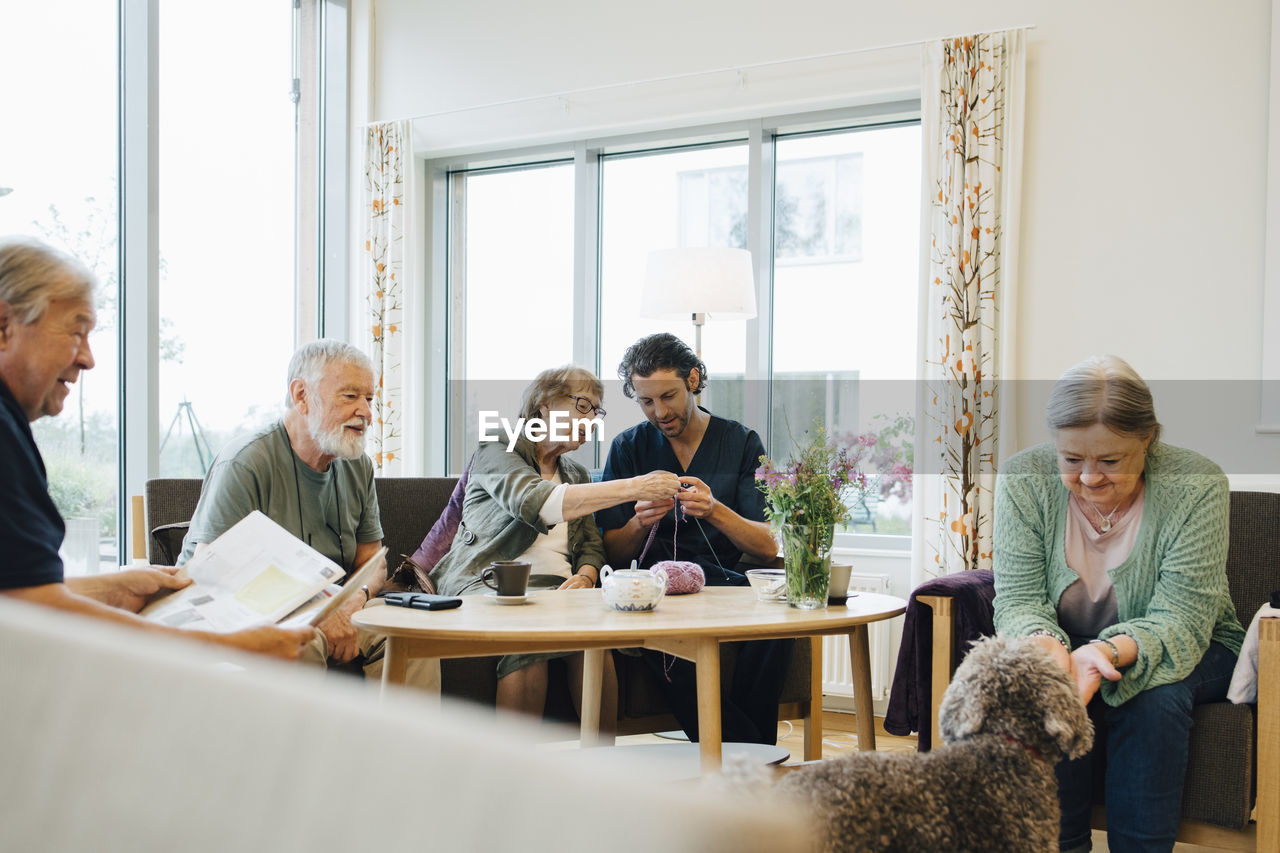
[838,591]
[508,577]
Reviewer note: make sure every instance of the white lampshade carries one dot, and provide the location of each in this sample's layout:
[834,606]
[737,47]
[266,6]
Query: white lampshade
[715,282]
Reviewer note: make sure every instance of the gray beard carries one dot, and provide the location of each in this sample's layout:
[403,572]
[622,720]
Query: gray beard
[336,442]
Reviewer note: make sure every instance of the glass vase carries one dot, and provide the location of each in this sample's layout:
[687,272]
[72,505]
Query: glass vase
[806,555]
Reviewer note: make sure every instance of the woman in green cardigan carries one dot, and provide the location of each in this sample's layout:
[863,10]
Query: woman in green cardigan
[534,503]
[1110,550]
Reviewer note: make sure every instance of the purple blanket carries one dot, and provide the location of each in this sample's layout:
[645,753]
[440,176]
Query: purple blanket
[439,539]
[972,612]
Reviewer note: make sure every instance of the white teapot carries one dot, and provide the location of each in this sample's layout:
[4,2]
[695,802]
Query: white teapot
[632,589]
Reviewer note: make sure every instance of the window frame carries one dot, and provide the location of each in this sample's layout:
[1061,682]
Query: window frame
[322,166]
[442,238]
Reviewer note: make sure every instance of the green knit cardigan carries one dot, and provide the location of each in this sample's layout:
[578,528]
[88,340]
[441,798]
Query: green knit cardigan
[1171,591]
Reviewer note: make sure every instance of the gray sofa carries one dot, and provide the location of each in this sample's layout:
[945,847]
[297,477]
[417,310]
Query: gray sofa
[410,506]
[118,741]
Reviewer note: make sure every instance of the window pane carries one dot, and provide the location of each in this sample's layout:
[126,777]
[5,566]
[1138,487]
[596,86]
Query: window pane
[516,277]
[680,199]
[846,233]
[226,187]
[58,158]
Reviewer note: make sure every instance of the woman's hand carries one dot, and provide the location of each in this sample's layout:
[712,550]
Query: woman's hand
[578,581]
[1061,656]
[655,486]
[1092,663]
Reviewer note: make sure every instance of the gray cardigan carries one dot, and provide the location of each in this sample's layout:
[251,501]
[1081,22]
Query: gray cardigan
[505,492]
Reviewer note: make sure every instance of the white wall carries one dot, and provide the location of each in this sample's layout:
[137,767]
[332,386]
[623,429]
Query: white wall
[1145,149]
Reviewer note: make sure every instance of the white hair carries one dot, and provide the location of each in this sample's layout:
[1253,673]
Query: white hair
[32,275]
[311,361]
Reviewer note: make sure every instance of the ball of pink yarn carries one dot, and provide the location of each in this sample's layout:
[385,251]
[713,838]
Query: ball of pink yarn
[682,577]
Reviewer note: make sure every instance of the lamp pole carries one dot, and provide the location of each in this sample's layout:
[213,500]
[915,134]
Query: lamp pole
[699,319]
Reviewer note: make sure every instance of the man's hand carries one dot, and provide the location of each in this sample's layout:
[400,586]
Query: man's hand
[654,486]
[1091,664]
[131,589]
[286,643]
[649,513]
[339,633]
[697,500]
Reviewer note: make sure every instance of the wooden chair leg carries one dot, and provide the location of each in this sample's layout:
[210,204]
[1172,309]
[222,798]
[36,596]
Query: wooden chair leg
[138,521]
[1267,805]
[943,652]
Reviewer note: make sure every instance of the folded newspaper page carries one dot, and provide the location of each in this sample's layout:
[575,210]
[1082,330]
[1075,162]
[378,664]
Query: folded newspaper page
[329,599]
[255,573]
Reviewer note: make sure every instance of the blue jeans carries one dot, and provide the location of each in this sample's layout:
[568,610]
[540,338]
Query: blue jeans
[1140,749]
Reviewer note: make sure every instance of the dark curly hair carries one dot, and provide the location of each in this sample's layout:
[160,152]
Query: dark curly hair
[663,351]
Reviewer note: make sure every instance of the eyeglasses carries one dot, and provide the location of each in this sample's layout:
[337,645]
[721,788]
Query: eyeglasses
[585,406]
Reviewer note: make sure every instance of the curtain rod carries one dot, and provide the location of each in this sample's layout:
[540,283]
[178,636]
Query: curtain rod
[689,74]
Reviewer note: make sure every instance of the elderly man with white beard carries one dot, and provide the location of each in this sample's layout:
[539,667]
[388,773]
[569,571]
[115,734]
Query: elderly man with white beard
[309,473]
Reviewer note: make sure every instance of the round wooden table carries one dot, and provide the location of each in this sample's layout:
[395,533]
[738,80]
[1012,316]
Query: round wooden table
[687,626]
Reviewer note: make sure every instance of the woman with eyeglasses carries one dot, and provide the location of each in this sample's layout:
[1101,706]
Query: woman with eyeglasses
[532,503]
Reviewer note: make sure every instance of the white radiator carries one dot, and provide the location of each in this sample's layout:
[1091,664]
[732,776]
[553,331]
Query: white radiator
[837,674]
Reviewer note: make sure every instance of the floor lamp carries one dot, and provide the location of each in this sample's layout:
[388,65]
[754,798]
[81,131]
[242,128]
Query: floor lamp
[699,283]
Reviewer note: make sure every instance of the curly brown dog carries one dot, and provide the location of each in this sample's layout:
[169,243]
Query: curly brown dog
[1009,715]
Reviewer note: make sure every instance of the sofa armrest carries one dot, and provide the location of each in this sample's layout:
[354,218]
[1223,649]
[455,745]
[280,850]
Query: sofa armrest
[943,643]
[1267,806]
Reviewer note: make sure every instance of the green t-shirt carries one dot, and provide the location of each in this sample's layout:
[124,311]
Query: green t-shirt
[332,511]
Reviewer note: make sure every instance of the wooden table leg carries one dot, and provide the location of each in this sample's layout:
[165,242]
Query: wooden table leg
[592,685]
[860,658]
[708,675]
[813,722]
[395,661]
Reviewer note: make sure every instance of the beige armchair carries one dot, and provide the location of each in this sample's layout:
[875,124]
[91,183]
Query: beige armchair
[1234,764]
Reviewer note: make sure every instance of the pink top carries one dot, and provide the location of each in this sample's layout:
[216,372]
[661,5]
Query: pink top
[1089,605]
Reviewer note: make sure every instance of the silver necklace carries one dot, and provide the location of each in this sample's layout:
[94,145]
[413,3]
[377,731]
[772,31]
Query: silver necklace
[1105,519]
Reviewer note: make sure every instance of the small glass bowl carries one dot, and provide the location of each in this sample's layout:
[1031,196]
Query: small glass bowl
[769,584]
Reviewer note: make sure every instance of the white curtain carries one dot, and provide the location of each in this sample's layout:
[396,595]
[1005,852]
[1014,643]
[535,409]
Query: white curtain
[383,283]
[973,108]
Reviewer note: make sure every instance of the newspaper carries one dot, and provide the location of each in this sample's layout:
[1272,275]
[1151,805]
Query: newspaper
[256,573]
[332,597]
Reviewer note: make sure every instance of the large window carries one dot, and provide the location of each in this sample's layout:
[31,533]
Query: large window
[513,266]
[846,238]
[58,178]
[226,188]
[225,155]
[693,198]
[832,222]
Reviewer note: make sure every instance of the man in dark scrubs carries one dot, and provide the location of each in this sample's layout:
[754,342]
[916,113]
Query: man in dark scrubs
[721,522]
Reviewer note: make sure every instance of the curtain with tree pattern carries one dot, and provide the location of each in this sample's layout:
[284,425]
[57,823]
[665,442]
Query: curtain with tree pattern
[973,105]
[388,154]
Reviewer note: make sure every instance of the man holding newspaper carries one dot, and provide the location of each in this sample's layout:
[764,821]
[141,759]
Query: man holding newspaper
[309,474]
[46,314]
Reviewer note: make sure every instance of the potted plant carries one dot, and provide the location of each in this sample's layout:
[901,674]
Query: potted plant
[805,500]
